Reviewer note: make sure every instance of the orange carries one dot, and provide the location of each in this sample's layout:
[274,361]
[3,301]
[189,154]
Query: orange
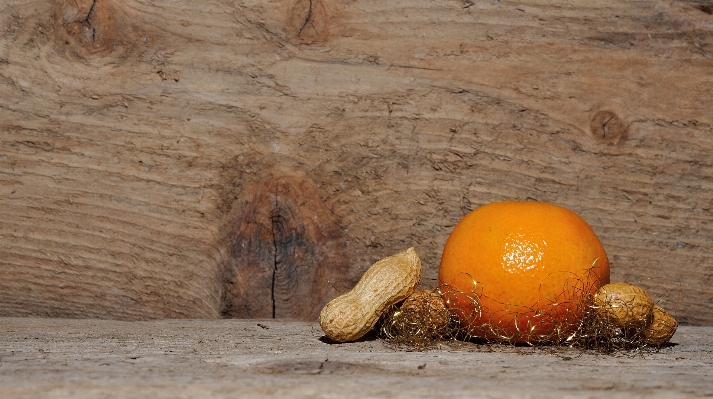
[521,272]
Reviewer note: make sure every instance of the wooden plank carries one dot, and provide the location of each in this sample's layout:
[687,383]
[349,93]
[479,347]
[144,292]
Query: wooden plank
[269,358]
[135,136]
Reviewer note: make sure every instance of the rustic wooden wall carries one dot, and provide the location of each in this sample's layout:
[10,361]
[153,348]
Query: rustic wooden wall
[164,158]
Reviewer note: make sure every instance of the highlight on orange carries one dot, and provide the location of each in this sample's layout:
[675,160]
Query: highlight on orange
[522,272]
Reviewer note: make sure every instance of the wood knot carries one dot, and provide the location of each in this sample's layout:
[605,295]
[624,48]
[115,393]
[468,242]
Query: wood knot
[607,127]
[287,257]
[308,21]
[94,27]
[706,8]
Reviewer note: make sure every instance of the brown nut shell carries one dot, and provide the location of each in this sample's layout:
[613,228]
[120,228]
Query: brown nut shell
[388,281]
[662,327]
[624,305]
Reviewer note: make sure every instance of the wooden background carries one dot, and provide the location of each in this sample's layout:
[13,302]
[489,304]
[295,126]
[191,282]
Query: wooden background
[171,159]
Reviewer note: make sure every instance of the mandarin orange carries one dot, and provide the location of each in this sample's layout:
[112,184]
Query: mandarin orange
[522,272]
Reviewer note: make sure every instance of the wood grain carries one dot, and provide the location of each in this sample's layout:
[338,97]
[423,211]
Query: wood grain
[287,257]
[131,129]
[282,359]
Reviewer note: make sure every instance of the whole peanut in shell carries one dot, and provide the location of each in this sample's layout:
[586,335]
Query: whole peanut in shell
[624,305]
[388,281]
[428,305]
[662,327]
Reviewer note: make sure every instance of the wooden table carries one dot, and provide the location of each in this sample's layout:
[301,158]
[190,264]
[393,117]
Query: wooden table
[60,358]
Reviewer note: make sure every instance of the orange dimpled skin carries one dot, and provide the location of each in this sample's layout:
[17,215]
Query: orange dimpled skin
[521,271]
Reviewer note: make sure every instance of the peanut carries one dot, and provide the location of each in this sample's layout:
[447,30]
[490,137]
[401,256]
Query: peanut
[429,306]
[662,328]
[388,281]
[624,305]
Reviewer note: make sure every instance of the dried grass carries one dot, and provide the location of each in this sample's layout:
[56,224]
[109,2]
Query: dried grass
[428,320]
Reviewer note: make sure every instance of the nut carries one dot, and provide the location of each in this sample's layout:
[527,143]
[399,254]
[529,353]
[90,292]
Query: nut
[624,305]
[662,327]
[420,321]
[429,307]
[388,281]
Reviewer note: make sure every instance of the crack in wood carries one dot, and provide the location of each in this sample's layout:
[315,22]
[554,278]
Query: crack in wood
[88,22]
[274,221]
[308,20]
[604,127]
[607,127]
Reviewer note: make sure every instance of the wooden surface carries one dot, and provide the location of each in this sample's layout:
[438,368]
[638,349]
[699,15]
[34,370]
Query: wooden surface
[140,141]
[54,358]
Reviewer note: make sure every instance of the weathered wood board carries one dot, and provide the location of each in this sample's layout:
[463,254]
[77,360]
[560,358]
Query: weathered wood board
[53,358]
[169,159]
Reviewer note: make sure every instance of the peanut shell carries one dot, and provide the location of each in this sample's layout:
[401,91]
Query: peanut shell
[662,327]
[388,281]
[624,305]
